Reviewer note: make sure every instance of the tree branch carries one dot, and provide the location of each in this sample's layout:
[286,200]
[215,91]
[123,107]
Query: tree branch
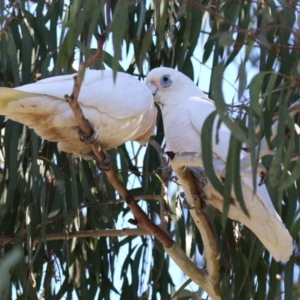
[201,277]
[211,253]
[91,234]
[7,240]
[141,218]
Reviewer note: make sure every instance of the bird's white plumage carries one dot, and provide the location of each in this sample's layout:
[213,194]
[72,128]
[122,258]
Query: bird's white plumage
[184,109]
[121,111]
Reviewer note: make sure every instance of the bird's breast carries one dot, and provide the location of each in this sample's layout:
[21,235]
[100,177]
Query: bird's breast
[180,134]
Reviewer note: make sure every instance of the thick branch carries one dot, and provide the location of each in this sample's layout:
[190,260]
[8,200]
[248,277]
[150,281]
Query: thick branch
[211,251]
[199,276]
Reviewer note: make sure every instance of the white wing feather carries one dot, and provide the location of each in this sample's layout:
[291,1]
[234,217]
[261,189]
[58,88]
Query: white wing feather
[264,220]
[121,111]
[121,99]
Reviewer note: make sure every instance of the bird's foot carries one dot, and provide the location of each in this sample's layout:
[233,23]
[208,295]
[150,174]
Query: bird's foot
[105,165]
[199,176]
[185,204]
[203,196]
[102,166]
[200,204]
[88,139]
[175,179]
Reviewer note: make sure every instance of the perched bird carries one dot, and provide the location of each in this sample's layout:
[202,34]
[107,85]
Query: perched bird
[184,109]
[120,111]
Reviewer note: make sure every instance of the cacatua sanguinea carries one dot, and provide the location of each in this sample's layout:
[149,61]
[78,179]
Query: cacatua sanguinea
[184,109]
[120,111]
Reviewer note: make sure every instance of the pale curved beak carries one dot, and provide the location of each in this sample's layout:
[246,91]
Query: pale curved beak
[152,88]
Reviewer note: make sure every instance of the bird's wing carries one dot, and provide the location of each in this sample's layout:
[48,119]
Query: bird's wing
[121,110]
[124,98]
[203,107]
[264,220]
[199,109]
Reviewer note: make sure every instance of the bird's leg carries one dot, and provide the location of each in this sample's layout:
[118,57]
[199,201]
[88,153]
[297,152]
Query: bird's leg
[88,139]
[185,204]
[104,165]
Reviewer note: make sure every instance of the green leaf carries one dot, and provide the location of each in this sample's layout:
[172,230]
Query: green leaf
[242,76]
[146,43]
[221,108]
[289,278]
[8,262]
[255,90]
[206,148]
[12,53]
[118,28]
[27,52]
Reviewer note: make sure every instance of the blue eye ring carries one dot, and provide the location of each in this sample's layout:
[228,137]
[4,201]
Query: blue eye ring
[165,81]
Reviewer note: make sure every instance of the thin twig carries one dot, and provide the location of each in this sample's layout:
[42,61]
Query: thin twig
[106,202]
[8,240]
[92,234]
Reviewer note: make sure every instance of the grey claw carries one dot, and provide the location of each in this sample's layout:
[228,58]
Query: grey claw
[106,164]
[88,139]
[203,182]
[174,179]
[186,205]
[182,195]
[203,196]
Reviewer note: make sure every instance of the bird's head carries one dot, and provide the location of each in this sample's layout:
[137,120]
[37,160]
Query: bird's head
[166,83]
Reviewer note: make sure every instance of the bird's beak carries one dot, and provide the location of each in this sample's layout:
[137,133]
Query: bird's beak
[152,88]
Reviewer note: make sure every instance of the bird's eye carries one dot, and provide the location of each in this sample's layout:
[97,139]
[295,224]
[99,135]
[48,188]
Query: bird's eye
[165,81]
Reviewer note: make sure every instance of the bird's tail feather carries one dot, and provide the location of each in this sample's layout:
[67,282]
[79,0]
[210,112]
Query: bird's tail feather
[8,95]
[264,222]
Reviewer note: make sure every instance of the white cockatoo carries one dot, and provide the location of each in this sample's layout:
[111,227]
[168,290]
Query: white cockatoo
[120,111]
[184,109]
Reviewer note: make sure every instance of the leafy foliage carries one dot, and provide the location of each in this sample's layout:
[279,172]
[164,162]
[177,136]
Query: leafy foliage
[46,194]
